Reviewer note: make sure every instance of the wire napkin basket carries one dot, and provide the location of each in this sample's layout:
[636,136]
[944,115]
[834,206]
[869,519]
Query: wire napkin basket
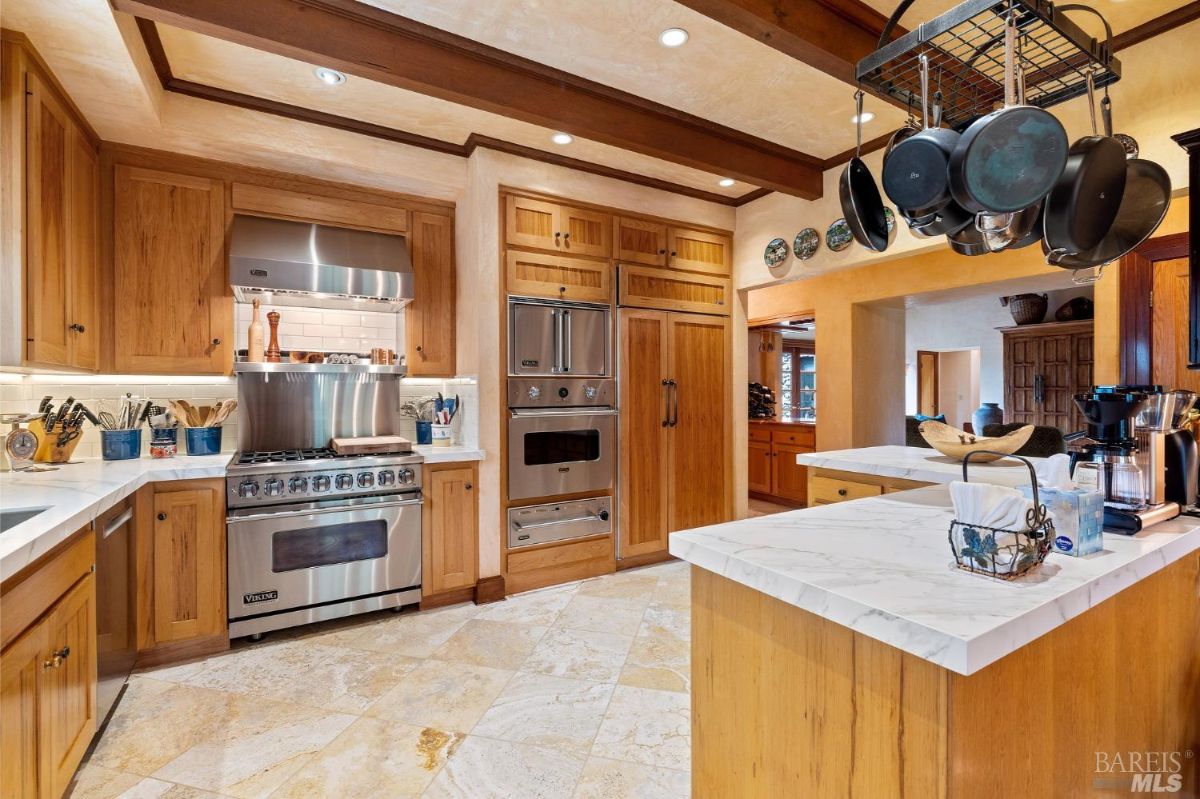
[998,552]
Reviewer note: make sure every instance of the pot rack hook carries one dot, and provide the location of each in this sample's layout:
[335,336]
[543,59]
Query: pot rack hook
[858,103]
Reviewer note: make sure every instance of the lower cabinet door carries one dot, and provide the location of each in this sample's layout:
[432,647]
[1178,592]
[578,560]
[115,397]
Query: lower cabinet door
[68,694]
[189,562]
[758,467]
[790,478]
[22,772]
[645,412]
[451,543]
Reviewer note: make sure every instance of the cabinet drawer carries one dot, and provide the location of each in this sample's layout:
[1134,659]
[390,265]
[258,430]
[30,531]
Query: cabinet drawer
[532,274]
[759,434]
[797,437]
[826,490]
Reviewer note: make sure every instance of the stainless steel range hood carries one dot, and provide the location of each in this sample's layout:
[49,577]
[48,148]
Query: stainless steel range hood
[299,263]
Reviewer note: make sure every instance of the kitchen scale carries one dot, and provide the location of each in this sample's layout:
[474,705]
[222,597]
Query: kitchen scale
[19,445]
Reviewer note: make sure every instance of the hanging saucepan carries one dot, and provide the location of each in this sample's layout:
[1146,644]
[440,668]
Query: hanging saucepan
[861,203]
[1009,159]
[1083,203]
[1144,204]
[968,241]
[914,172]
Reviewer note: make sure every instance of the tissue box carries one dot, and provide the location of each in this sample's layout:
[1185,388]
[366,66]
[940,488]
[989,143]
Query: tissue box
[1078,517]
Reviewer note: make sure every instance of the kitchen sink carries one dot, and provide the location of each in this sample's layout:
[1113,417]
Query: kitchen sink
[11,518]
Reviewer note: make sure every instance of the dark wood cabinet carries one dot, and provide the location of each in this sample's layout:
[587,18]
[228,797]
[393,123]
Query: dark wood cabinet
[1045,365]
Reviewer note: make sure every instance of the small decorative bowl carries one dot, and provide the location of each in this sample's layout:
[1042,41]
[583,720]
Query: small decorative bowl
[957,444]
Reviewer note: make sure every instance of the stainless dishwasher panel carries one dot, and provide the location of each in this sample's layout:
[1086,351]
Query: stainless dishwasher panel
[116,649]
[558,521]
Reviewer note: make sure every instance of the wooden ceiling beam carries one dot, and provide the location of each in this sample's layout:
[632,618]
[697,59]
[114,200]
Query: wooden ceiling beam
[367,42]
[829,35]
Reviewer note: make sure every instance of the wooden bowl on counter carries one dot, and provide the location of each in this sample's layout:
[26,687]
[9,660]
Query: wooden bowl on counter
[958,444]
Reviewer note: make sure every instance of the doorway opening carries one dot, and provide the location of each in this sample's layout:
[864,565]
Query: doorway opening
[948,385]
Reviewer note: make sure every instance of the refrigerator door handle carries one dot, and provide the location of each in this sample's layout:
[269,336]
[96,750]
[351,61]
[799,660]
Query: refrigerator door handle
[666,420]
[674,403]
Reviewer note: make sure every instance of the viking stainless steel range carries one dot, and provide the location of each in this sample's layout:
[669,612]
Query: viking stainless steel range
[313,535]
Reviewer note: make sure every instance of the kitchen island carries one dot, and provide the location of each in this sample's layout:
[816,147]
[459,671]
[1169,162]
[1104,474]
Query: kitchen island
[837,651]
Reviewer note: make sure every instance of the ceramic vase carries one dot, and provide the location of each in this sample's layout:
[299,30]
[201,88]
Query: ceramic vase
[988,413]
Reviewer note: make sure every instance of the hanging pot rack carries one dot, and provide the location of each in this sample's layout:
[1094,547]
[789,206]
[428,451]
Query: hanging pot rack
[962,48]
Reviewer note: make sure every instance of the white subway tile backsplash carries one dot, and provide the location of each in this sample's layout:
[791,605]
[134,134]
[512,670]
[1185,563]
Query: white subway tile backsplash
[324,330]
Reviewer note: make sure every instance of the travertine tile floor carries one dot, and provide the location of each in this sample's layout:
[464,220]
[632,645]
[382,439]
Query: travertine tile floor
[572,691]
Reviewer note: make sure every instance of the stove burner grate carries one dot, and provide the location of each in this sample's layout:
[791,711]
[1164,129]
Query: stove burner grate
[288,455]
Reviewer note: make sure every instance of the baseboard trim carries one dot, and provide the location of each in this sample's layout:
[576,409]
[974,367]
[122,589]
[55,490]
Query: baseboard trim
[489,589]
[177,651]
[454,596]
[644,560]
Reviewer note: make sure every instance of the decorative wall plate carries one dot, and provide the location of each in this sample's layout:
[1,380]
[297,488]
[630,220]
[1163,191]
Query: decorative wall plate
[776,253]
[807,242]
[890,216]
[838,237]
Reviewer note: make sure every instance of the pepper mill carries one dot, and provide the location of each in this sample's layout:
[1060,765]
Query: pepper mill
[273,354]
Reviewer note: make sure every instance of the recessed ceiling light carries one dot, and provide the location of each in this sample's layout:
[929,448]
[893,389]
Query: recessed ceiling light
[562,138]
[329,76]
[726,182]
[673,37]
[867,116]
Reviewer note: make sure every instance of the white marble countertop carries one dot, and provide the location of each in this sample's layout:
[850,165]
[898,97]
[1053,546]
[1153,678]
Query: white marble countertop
[76,493]
[452,454]
[882,567]
[917,463]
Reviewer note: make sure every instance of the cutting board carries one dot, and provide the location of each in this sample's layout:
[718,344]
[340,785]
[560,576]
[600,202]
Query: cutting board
[371,445]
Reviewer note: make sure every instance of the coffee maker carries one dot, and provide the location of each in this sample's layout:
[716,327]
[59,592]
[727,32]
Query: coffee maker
[1112,460]
[1167,453]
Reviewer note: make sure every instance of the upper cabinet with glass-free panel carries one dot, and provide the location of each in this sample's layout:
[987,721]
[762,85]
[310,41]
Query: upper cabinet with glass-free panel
[564,229]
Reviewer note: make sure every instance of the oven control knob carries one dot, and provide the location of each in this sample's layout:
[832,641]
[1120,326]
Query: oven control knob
[247,488]
[366,479]
[589,392]
[298,485]
[344,481]
[406,476]
[534,392]
[386,477]
[273,487]
[563,392]
[321,483]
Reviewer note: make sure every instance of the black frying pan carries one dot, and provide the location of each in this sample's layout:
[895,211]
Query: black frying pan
[1081,207]
[861,203]
[1144,204]
[914,172]
[1011,158]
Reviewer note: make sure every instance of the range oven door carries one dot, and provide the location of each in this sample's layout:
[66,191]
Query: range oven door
[299,556]
[552,339]
[561,451]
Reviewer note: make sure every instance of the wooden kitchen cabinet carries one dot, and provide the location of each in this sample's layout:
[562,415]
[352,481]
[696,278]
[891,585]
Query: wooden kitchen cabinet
[640,241]
[180,602]
[775,475]
[59,216]
[557,227]
[429,319]
[666,289]
[674,427]
[48,672]
[450,528]
[699,251]
[174,309]
[535,274]
[758,467]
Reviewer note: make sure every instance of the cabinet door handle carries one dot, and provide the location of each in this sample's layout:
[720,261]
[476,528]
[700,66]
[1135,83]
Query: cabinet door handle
[841,492]
[468,486]
[216,342]
[78,328]
[662,252]
[162,517]
[57,658]
[566,236]
[419,348]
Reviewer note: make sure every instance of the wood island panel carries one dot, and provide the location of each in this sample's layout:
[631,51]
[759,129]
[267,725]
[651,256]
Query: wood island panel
[786,703]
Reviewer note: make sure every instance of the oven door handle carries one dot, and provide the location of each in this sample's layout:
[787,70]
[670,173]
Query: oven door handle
[557,315]
[533,413]
[257,517]
[566,340]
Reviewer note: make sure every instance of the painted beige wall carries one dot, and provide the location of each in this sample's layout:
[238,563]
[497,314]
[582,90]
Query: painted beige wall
[479,237]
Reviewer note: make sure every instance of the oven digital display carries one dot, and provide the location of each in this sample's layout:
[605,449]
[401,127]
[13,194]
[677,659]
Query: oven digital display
[561,446]
[328,545]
